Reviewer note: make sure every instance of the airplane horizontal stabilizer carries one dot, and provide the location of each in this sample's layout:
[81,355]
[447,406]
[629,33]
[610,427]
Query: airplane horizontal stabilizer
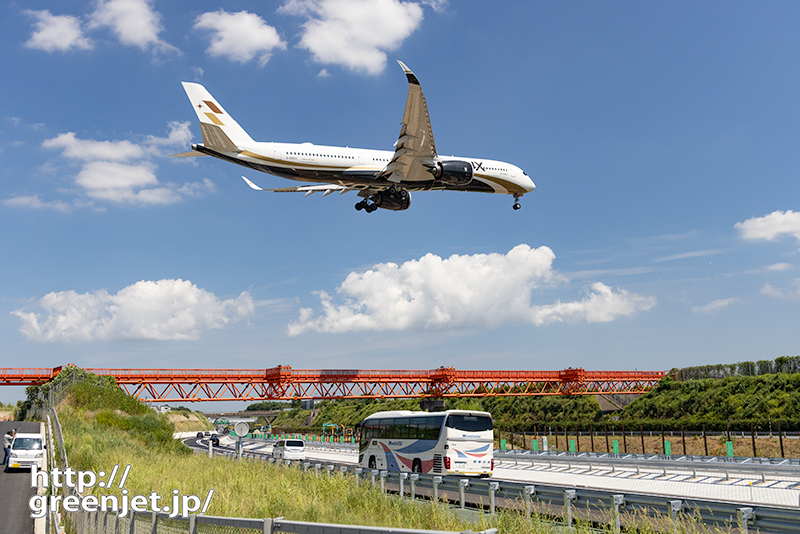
[190,154]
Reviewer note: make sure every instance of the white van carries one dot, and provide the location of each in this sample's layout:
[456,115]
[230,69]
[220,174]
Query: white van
[289,449]
[26,450]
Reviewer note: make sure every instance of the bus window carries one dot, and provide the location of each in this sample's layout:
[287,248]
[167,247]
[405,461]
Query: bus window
[469,423]
[433,425]
[400,429]
[386,428]
[416,430]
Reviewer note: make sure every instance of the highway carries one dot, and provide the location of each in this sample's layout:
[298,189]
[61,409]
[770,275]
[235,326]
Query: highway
[15,490]
[746,487]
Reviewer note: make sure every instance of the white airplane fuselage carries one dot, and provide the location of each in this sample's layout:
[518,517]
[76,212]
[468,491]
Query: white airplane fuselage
[384,179]
[360,166]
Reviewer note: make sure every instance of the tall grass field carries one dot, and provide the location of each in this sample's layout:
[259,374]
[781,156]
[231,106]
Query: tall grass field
[104,427]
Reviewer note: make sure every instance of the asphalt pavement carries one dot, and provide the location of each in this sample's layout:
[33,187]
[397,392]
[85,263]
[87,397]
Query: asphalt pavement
[16,490]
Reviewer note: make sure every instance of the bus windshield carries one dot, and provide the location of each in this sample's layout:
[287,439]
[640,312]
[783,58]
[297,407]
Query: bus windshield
[469,423]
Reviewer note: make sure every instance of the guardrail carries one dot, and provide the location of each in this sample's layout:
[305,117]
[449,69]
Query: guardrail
[107,523]
[752,466]
[568,503]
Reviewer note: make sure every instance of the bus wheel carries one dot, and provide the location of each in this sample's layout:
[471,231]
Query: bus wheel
[416,467]
[372,463]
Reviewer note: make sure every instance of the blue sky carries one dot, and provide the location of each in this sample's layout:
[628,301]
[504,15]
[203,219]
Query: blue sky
[663,140]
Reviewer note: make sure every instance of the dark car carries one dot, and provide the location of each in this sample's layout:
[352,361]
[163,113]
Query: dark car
[199,435]
[215,442]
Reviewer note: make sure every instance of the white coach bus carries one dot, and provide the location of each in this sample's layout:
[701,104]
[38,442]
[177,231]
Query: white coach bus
[455,441]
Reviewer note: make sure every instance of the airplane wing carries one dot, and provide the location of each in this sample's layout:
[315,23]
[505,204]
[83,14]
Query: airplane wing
[326,189]
[415,150]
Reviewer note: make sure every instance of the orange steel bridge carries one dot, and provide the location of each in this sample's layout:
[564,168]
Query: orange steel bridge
[285,383]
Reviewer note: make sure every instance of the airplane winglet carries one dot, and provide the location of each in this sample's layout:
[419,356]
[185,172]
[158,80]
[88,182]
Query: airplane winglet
[410,75]
[251,184]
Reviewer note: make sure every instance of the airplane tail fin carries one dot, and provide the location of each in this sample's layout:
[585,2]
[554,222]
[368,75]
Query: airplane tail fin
[219,129]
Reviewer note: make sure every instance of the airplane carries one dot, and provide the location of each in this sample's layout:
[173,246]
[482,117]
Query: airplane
[383,179]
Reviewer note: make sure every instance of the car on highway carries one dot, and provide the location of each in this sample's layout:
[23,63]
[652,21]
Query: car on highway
[26,450]
[289,449]
[214,441]
[199,435]
[207,434]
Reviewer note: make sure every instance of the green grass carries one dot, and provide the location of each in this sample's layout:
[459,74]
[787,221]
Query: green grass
[102,432]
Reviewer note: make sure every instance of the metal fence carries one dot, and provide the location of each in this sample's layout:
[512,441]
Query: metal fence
[565,503]
[156,523]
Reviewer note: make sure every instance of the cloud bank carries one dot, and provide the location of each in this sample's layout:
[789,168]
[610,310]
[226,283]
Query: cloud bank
[478,291]
[119,172]
[355,34]
[133,22]
[147,310]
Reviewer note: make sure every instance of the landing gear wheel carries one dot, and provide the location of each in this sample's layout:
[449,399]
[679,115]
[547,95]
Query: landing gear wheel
[517,206]
[362,205]
[516,201]
[371,208]
[402,194]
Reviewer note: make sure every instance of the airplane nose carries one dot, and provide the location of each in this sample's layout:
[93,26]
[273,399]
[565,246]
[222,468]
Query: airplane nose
[530,186]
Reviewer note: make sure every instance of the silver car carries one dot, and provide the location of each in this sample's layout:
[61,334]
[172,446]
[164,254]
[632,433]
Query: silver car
[289,449]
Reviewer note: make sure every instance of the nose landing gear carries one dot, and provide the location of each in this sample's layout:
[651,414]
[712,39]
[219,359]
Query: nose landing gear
[516,201]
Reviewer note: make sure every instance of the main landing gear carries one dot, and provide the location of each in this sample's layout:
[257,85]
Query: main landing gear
[365,205]
[516,201]
[390,199]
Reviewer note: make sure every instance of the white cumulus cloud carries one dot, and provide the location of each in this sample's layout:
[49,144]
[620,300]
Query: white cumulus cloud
[481,290]
[356,34]
[56,32]
[120,172]
[770,227]
[88,150]
[147,310]
[714,306]
[134,22]
[239,36]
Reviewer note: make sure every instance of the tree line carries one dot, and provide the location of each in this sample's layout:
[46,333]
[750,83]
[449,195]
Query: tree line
[784,364]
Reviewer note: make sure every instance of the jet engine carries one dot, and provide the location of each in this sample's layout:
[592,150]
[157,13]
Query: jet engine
[452,172]
[392,199]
